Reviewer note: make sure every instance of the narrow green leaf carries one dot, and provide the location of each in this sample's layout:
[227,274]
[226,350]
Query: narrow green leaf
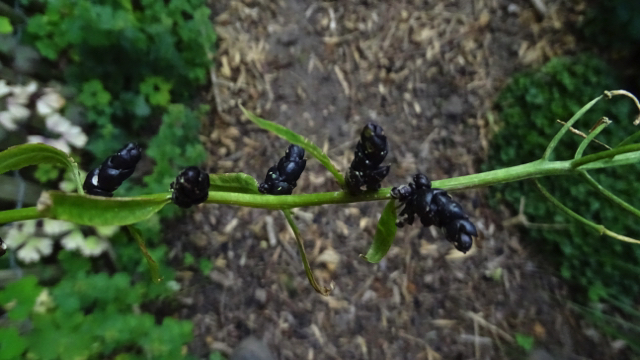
[307,268]
[607,154]
[17,157]
[609,195]
[567,125]
[600,229]
[385,234]
[299,140]
[153,266]
[630,140]
[99,211]
[604,122]
[236,182]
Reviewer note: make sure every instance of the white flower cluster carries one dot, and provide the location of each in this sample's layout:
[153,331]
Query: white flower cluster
[48,106]
[33,239]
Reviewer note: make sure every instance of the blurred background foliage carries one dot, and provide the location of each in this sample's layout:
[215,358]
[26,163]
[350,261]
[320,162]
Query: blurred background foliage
[603,270]
[134,70]
[124,71]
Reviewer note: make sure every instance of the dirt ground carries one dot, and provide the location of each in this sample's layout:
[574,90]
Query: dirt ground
[427,71]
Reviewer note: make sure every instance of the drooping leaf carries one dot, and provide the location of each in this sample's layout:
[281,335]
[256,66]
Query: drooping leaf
[99,211]
[385,234]
[153,266]
[19,156]
[630,140]
[299,140]
[236,182]
[307,268]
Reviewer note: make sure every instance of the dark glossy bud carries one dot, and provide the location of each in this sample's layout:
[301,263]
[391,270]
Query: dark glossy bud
[91,185]
[281,188]
[190,188]
[435,207]
[421,181]
[374,143]
[294,153]
[108,177]
[126,158]
[460,233]
[271,178]
[291,166]
[281,178]
[365,169]
[401,193]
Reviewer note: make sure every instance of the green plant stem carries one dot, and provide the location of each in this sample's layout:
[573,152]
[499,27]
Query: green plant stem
[608,154]
[592,135]
[567,126]
[609,195]
[303,255]
[634,137]
[600,229]
[539,168]
[28,213]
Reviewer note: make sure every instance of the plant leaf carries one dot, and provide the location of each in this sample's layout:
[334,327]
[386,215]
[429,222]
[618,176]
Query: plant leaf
[299,140]
[630,140]
[567,125]
[99,211]
[307,268]
[5,25]
[385,234]
[153,266]
[19,156]
[525,341]
[235,182]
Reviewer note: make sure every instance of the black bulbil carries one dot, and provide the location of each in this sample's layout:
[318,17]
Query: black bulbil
[435,207]
[107,178]
[190,188]
[366,170]
[281,178]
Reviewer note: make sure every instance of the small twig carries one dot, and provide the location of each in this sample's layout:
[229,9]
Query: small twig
[476,339]
[484,323]
[271,232]
[221,347]
[216,95]
[540,7]
[431,355]
[521,219]
[341,78]
[580,133]
[270,96]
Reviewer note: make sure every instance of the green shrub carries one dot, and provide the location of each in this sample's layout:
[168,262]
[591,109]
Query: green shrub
[88,315]
[129,61]
[528,108]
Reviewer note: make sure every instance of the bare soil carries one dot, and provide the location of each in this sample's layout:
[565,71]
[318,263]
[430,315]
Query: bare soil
[427,71]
